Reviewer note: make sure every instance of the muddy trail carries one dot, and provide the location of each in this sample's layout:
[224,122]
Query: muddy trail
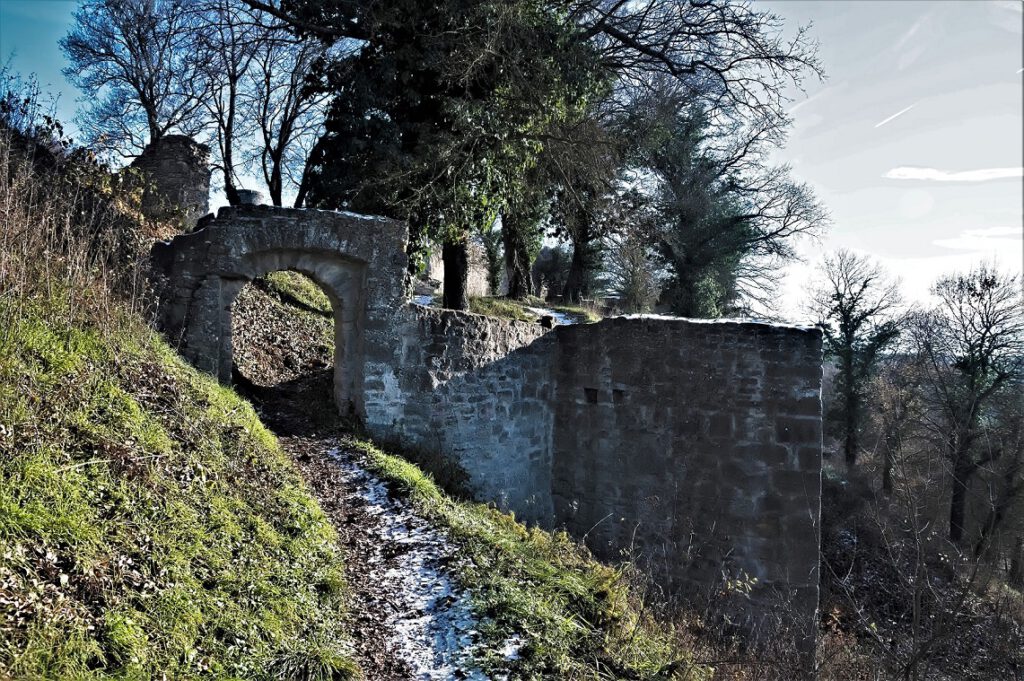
[409,618]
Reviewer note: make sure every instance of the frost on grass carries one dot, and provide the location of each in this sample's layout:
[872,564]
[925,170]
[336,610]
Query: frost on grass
[430,617]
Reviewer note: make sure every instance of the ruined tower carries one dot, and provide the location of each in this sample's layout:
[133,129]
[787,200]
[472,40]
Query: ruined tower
[176,173]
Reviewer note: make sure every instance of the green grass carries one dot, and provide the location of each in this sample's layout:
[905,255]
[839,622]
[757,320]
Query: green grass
[149,523]
[293,287]
[506,308]
[578,617]
[501,307]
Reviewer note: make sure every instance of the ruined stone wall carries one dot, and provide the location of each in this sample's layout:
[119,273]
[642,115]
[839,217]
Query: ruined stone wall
[176,176]
[358,261]
[478,391]
[476,277]
[697,446]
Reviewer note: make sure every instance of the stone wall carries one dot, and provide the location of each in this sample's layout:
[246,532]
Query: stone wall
[696,446]
[476,390]
[176,173]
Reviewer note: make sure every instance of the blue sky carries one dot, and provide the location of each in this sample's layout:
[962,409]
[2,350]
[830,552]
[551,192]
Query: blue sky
[914,142]
[29,31]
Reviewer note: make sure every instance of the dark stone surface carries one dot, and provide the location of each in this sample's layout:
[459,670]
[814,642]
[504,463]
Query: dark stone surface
[176,175]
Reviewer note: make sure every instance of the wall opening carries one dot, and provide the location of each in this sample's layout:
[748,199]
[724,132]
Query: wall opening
[283,340]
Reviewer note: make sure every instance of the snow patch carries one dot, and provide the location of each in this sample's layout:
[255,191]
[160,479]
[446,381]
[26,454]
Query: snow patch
[435,628]
[722,320]
[560,318]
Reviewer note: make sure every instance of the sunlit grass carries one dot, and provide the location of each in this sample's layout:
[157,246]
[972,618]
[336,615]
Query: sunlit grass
[149,523]
[577,617]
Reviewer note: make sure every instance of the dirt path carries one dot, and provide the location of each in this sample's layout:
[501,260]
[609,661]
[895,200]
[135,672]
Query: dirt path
[410,620]
[409,617]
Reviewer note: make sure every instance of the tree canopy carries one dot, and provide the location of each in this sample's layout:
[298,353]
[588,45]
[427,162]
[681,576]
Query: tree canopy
[440,111]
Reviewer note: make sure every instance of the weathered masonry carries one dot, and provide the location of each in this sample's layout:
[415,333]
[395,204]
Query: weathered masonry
[697,446]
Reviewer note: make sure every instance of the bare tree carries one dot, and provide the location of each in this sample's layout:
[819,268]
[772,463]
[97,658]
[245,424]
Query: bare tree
[227,44]
[631,269]
[729,55]
[131,59]
[971,348]
[287,114]
[855,305]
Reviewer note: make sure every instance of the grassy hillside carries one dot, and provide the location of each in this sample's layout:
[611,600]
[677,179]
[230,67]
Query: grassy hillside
[149,523]
[578,618]
[151,527]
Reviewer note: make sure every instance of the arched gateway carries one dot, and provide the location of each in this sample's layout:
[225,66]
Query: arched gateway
[359,262]
[696,446]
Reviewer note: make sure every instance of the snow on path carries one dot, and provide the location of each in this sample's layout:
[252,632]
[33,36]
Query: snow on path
[434,627]
[560,318]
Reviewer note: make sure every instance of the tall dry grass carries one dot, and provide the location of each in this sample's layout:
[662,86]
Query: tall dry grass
[71,236]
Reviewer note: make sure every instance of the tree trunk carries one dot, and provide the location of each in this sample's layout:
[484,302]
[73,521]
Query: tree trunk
[997,512]
[958,500]
[495,261]
[850,441]
[849,407]
[887,469]
[275,186]
[300,196]
[155,133]
[517,260]
[455,256]
[577,283]
[227,157]
[230,191]
[307,173]
[1016,576]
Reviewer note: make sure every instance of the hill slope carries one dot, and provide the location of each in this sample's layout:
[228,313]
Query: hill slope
[149,523]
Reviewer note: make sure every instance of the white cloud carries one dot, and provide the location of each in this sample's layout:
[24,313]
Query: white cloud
[1015,232]
[895,116]
[993,240]
[980,175]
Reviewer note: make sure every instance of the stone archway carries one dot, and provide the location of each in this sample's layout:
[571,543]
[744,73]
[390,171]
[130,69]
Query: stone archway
[358,261]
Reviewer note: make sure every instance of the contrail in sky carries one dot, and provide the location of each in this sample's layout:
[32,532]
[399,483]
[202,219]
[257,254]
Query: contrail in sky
[895,115]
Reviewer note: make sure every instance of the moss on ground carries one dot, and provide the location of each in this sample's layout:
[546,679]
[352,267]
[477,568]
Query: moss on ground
[504,308]
[577,618]
[293,287]
[149,524]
